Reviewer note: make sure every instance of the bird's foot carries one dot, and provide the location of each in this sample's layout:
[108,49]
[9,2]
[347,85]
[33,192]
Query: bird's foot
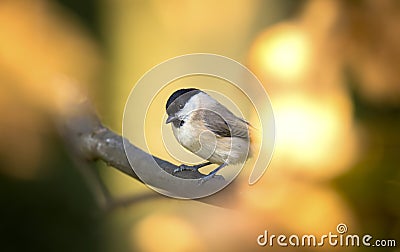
[185,168]
[193,168]
[206,178]
[211,174]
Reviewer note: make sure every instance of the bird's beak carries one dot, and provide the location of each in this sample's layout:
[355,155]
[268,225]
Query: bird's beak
[170,119]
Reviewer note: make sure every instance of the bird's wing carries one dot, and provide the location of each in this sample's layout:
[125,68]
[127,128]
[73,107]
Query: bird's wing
[227,126]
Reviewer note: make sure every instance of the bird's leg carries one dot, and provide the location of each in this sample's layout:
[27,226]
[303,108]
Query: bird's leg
[183,167]
[212,174]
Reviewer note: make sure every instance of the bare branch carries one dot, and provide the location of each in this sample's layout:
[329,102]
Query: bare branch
[90,140]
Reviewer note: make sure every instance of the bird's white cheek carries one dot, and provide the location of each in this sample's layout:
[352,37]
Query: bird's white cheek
[183,135]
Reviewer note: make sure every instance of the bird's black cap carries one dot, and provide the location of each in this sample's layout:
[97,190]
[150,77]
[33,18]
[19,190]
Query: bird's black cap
[185,95]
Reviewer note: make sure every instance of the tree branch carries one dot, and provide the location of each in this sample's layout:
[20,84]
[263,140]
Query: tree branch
[90,140]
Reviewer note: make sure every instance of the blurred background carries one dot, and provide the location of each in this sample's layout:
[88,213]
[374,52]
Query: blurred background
[329,67]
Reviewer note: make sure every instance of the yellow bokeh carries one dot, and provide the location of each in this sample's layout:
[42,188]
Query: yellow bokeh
[46,62]
[330,69]
[309,129]
[282,54]
[161,232]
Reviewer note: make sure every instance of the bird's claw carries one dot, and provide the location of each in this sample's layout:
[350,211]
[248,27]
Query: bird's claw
[184,168]
[209,177]
[206,178]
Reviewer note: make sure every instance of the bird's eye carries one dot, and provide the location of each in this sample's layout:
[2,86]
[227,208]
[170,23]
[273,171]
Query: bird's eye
[180,106]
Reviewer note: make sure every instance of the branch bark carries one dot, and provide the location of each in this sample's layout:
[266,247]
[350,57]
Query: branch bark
[91,140]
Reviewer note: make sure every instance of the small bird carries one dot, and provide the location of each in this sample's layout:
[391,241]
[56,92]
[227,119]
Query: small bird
[208,129]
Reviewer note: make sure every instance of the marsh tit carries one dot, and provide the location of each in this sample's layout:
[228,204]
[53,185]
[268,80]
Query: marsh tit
[208,129]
